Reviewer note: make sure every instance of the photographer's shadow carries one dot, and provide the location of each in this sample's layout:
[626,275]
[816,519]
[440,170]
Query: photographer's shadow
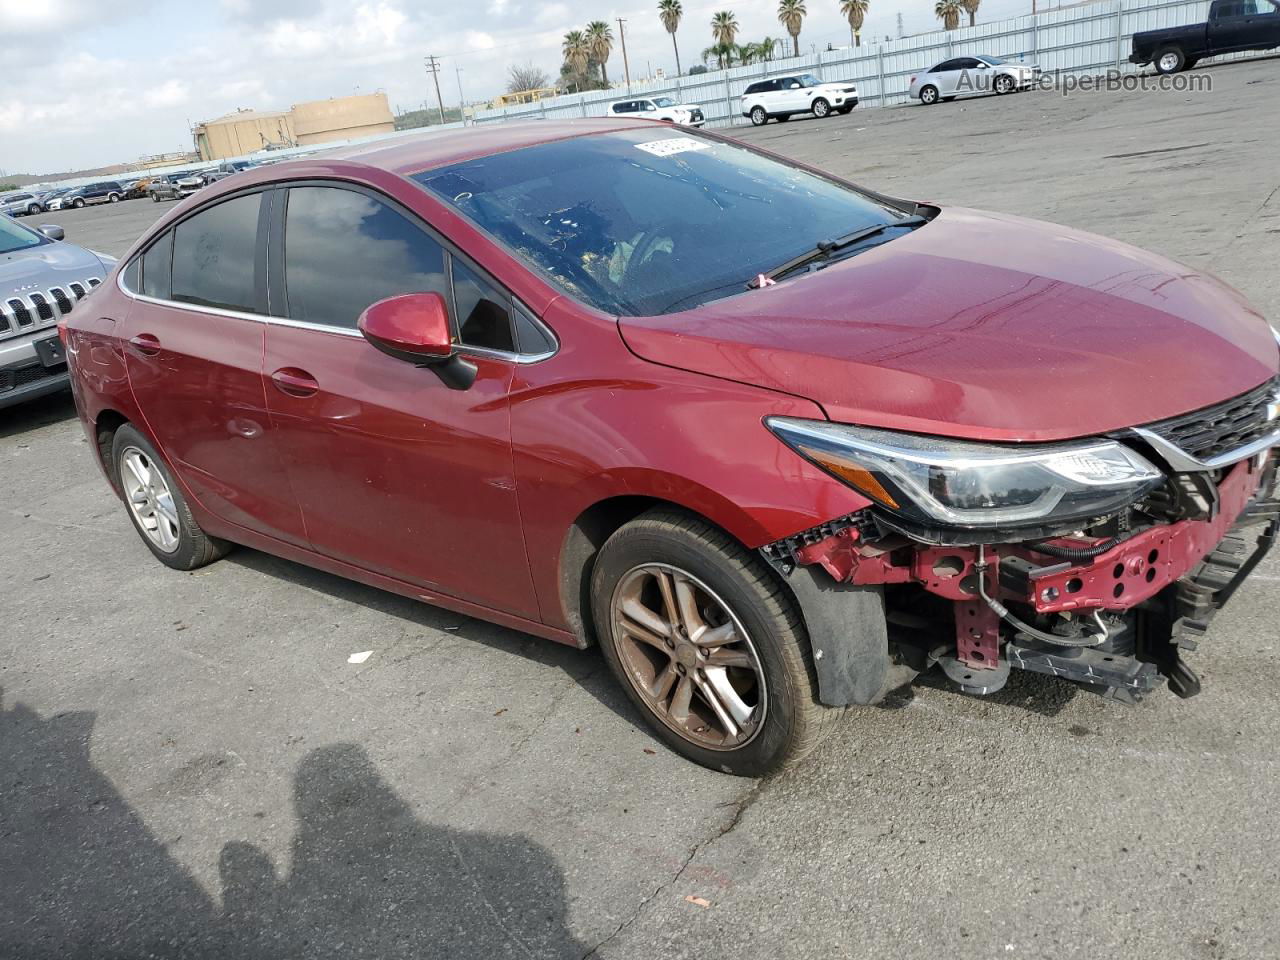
[84,877]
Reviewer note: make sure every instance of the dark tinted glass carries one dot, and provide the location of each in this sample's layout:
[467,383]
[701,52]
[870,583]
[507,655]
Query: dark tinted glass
[156,268]
[531,337]
[132,275]
[345,250]
[483,311]
[214,254]
[652,220]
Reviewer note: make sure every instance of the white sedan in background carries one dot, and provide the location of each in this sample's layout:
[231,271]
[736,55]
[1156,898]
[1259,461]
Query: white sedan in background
[967,76]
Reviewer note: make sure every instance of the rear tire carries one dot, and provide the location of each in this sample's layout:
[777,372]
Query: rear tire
[768,691]
[33,209]
[758,116]
[78,203]
[156,506]
[1170,60]
[929,95]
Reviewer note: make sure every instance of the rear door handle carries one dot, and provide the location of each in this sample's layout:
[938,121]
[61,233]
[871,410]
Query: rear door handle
[145,344]
[294,382]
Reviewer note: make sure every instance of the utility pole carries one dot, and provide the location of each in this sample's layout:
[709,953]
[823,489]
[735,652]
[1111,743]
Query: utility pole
[462,100]
[433,67]
[622,37]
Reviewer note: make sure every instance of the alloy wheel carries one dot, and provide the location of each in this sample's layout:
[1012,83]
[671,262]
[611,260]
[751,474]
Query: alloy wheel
[688,656]
[1169,62]
[150,500]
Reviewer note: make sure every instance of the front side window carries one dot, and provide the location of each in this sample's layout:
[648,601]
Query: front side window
[643,222]
[345,250]
[215,254]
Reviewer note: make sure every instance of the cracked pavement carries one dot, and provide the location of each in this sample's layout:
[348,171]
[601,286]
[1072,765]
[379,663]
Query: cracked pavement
[189,767]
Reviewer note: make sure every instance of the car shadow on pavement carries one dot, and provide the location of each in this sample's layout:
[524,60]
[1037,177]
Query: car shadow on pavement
[82,877]
[587,667]
[32,414]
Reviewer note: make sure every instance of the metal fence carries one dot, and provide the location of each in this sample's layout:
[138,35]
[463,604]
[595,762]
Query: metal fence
[1087,39]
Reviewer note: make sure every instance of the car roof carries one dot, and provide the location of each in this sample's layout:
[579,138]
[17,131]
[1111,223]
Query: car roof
[441,147]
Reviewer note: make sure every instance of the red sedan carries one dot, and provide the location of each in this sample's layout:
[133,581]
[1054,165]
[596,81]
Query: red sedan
[771,440]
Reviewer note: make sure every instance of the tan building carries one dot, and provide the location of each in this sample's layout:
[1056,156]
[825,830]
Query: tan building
[319,121]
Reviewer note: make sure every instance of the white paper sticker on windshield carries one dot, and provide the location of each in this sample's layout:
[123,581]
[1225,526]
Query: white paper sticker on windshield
[667,148]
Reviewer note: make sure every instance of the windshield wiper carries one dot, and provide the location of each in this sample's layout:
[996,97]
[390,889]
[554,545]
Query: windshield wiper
[824,248]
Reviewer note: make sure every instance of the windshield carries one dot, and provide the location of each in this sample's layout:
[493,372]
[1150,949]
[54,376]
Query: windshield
[994,61]
[641,222]
[14,236]
[809,80]
[664,102]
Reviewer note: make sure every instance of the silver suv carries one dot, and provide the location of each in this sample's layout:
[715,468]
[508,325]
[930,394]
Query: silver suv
[41,280]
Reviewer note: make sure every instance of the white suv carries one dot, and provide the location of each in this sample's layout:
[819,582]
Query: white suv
[659,108]
[782,97]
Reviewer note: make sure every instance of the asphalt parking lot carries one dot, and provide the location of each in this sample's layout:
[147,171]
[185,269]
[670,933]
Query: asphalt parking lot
[189,766]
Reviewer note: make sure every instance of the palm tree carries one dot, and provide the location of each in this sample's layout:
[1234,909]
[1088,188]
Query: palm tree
[722,53]
[747,53]
[670,12]
[948,11]
[767,48]
[855,12]
[724,28]
[971,8]
[577,54]
[600,43]
[791,15]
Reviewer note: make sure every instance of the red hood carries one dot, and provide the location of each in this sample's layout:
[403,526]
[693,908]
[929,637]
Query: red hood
[985,326]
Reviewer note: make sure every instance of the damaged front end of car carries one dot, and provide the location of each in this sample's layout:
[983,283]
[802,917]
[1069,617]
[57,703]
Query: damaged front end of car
[1099,561]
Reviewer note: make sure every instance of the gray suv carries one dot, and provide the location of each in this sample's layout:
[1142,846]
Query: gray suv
[41,280]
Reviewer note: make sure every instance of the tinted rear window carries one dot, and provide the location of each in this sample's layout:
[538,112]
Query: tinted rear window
[214,254]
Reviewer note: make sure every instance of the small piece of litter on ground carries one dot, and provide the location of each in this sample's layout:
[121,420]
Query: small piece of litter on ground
[697,901]
[650,752]
[360,657]
[498,713]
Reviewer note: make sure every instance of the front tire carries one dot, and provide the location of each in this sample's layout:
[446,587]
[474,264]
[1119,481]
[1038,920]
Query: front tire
[707,645]
[758,116]
[113,198]
[1170,60]
[156,506]
[821,109]
[33,209]
[78,203]
[1005,84]
[929,95]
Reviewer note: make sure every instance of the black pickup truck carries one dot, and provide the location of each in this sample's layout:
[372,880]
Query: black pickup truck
[1234,25]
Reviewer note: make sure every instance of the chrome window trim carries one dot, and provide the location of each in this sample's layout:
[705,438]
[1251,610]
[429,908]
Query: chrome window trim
[520,358]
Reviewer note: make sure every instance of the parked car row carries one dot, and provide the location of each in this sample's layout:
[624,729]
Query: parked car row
[166,186]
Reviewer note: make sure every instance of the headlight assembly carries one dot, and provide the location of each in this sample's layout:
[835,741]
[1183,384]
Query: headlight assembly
[930,482]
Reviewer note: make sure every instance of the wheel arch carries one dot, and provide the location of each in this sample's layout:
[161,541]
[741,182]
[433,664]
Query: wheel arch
[600,520]
[105,426]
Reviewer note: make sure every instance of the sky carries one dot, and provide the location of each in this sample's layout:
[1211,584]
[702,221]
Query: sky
[115,86]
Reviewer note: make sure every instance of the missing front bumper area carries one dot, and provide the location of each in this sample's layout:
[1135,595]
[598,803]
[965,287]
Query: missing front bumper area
[1117,622]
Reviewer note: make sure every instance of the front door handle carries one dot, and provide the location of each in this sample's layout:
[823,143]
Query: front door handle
[145,344]
[294,382]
